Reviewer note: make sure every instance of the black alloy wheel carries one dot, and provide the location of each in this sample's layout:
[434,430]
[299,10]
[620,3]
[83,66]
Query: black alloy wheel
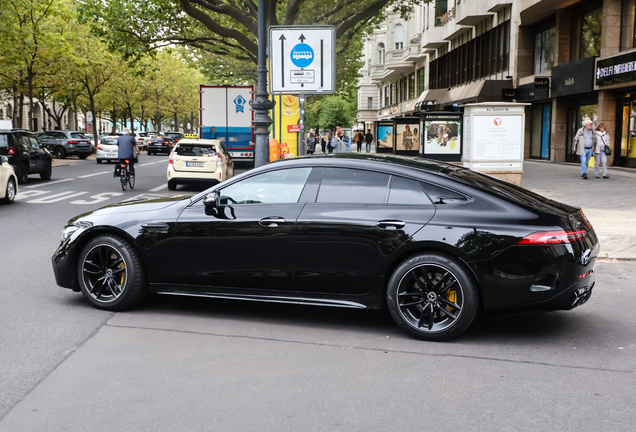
[9,193]
[60,153]
[110,273]
[432,296]
[46,174]
[23,173]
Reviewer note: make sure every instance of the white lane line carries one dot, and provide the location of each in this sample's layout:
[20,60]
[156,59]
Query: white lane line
[96,174]
[57,197]
[152,163]
[157,189]
[50,183]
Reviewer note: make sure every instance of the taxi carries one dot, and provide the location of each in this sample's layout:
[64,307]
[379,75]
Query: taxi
[199,161]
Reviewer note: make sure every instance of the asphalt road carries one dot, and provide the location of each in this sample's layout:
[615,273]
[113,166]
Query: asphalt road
[188,364]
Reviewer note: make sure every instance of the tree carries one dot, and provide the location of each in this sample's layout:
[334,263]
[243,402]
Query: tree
[330,111]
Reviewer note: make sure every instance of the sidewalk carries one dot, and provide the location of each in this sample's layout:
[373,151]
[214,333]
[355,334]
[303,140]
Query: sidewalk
[609,204]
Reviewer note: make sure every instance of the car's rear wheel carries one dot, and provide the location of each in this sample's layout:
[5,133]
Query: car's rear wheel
[98,161]
[9,193]
[111,274]
[46,175]
[60,153]
[172,185]
[23,173]
[432,297]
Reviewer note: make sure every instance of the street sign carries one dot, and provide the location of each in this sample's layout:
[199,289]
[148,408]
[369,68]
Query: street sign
[89,117]
[302,59]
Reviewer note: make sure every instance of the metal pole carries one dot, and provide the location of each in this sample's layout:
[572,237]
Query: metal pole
[301,147]
[261,105]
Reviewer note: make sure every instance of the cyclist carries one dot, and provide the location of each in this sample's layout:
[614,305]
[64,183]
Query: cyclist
[127,147]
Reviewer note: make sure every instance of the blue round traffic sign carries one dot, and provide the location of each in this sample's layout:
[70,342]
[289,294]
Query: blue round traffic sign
[302,55]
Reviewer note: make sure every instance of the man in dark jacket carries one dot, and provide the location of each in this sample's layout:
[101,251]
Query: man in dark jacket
[368,139]
[127,147]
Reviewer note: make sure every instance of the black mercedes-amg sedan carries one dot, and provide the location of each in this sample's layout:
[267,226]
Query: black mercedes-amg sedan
[434,243]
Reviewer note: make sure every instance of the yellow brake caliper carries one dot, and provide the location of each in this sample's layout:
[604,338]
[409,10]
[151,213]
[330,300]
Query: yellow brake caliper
[451,297]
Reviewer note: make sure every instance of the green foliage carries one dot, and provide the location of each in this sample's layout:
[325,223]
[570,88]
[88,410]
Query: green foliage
[329,111]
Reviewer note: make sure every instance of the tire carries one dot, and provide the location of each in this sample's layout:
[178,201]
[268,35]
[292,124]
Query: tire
[432,297]
[60,153]
[46,175]
[82,156]
[99,161]
[23,173]
[9,193]
[131,182]
[102,279]
[172,185]
[124,183]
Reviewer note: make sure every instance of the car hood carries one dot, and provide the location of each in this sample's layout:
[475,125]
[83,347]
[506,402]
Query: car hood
[140,205]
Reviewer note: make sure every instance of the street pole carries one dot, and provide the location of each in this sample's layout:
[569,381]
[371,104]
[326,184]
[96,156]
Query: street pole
[301,146]
[261,105]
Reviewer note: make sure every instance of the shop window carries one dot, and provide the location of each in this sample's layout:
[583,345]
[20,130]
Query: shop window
[544,46]
[628,29]
[398,35]
[540,139]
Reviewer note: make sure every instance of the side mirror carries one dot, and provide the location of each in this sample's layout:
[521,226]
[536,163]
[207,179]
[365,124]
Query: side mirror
[3,159]
[212,199]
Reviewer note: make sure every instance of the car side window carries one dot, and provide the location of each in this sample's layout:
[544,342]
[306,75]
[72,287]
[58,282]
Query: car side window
[406,191]
[282,186]
[57,135]
[441,195]
[34,143]
[352,186]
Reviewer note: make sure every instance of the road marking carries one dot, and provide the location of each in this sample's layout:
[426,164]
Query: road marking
[143,196]
[50,183]
[152,163]
[104,196]
[96,174]
[157,189]
[57,197]
[30,194]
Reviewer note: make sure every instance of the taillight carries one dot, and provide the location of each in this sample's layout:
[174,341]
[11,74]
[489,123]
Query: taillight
[99,146]
[72,142]
[171,158]
[219,160]
[10,150]
[553,237]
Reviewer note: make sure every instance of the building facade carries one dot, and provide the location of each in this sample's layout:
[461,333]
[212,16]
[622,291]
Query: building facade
[568,60]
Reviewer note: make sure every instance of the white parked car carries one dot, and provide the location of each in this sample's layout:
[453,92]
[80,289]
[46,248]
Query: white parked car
[142,140]
[107,149]
[199,161]
[8,181]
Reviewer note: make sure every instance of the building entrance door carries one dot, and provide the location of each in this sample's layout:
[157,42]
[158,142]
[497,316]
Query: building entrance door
[541,121]
[625,147]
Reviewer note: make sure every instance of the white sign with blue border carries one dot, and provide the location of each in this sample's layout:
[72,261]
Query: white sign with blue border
[302,59]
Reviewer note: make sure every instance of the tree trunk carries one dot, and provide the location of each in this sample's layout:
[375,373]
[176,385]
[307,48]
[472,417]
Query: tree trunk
[30,81]
[21,111]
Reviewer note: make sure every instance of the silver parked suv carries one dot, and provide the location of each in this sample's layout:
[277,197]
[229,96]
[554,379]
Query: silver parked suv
[66,143]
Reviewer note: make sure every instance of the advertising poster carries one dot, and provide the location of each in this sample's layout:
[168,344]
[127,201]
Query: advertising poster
[442,137]
[286,113]
[497,138]
[385,137]
[407,137]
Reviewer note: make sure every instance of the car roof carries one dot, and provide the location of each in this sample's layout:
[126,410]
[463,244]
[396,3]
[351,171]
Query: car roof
[198,141]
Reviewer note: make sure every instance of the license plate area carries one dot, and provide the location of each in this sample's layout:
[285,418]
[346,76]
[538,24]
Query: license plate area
[195,164]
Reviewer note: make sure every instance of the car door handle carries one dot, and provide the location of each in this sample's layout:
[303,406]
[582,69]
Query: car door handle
[390,224]
[272,222]
[155,226]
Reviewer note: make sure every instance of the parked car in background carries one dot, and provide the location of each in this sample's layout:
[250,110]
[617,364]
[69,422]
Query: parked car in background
[91,138]
[26,154]
[141,139]
[160,144]
[176,136]
[8,181]
[199,161]
[107,149]
[66,143]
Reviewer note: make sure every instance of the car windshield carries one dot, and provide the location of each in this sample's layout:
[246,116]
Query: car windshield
[157,139]
[196,150]
[78,135]
[173,134]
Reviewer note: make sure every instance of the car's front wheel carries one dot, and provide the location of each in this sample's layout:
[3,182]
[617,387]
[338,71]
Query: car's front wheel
[9,193]
[432,296]
[46,174]
[111,274]
[23,173]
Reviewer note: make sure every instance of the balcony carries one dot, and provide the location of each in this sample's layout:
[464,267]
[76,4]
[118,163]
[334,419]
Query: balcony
[414,52]
[378,73]
[397,61]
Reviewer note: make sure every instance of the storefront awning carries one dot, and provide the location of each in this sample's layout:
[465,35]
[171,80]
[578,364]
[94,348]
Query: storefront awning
[429,97]
[481,91]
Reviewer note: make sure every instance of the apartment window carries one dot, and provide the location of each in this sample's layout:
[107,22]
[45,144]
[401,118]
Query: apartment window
[544,46]
[370,103]
[420,81]
[381,51]
[386,96]
[393,99]
[441,7]
[628,27]
[412,85]
[398,35]
[587,23]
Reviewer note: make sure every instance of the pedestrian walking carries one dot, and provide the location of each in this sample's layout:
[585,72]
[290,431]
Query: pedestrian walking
[368,139]
[323,143]
[358,139]
[340,143]
[601,150]
[329,139]
[311,144]
[583,145]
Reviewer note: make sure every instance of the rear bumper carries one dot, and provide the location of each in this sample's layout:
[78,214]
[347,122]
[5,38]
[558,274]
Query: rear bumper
[158,149]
